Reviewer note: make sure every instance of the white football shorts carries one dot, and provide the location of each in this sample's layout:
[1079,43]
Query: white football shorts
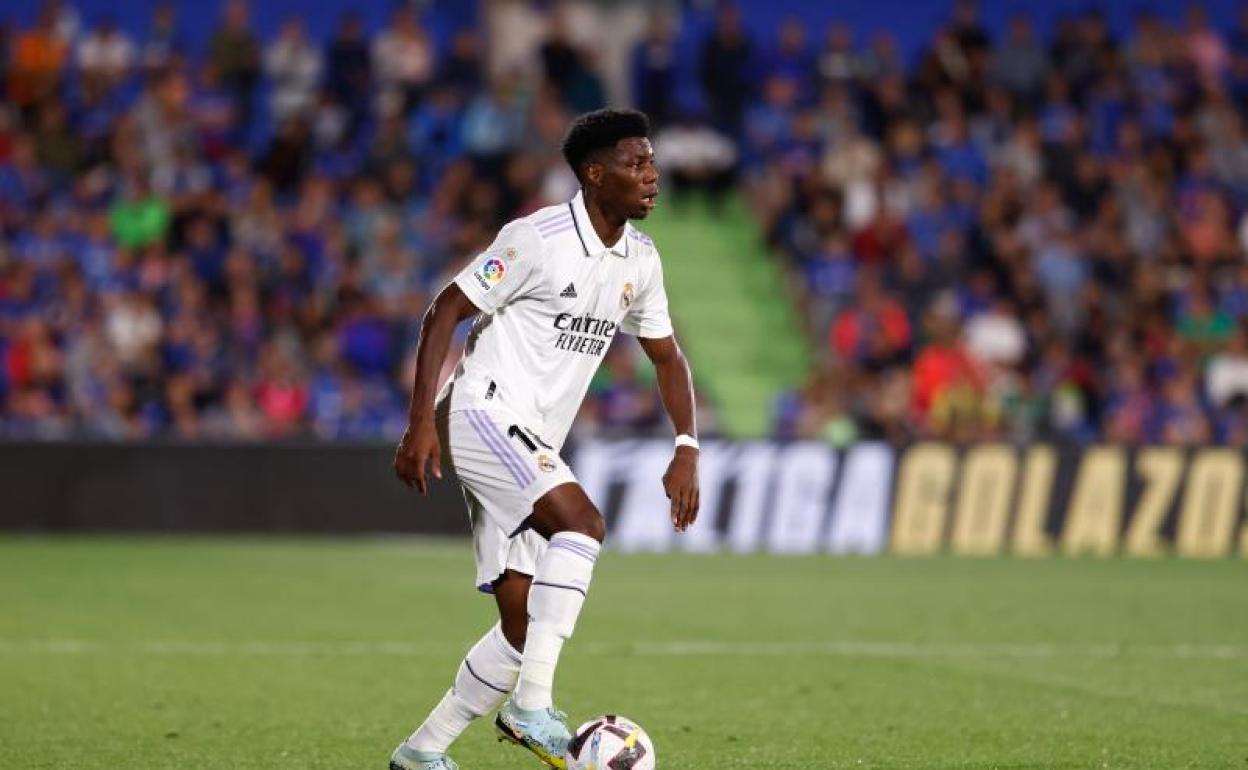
[503,468]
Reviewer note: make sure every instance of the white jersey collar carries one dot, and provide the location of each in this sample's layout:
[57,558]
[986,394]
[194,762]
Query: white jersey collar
[589,237]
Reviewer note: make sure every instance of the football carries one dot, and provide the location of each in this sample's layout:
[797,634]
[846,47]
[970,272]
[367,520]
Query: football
[610,742]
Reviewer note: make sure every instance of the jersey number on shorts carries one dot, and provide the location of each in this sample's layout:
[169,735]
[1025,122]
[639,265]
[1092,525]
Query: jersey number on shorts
[527,437]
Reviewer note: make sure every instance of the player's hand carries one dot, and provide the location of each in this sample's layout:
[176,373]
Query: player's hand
[418,447]
[681,485]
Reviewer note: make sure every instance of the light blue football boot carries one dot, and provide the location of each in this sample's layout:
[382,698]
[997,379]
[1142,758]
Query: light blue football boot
[543,732]
[404,758]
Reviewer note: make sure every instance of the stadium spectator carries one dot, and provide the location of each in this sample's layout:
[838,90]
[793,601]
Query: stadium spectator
[654,70]
[1228,371]
[105,56]
[563,62]
[1020,63]
[234,52]
[696,157]
[725,69]
[293,66]
[791,59]
[403,59]
[348,68]
[873,332]
[164,42]
[39,55]
[138,218]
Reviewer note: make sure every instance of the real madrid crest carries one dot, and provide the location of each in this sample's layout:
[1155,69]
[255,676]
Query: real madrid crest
[626,296]
[546,464]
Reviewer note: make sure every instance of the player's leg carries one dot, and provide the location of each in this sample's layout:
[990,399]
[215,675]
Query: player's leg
[511,594]
[485,676]
[523,486]
[569,520]
[489,670]
[566,516]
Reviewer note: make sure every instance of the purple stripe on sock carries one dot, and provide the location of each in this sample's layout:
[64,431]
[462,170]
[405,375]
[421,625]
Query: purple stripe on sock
[489,441]
[580,591]
[565,539]
[587,558]
[574,538]
[520,462]
[581,551]
[477,676]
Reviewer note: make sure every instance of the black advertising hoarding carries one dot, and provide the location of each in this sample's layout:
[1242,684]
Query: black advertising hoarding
[326,488]
[870,498]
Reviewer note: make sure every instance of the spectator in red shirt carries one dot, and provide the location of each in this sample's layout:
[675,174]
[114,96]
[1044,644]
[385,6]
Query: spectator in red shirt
[949,383]
[282,394]
[874,331]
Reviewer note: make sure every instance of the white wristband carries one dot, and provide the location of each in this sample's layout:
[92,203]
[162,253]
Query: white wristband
[685,439]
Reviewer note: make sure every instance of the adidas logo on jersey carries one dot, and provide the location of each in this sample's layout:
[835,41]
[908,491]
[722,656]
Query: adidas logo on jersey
[569,292]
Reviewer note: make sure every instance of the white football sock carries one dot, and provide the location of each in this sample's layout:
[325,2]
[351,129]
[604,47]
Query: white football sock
[559,588]
[486,675]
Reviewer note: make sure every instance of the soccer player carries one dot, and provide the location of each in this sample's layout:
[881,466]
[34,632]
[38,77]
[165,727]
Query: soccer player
[549,295]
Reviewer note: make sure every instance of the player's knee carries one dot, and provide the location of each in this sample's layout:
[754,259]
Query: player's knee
[589,522]
[598,529]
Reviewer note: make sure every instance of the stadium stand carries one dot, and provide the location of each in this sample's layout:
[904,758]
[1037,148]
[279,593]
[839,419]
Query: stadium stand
[991,231]
[736,321]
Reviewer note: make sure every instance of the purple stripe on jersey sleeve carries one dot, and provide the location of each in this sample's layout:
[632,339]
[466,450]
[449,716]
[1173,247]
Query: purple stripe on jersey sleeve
[562,213]
[518,472]
[559,222]
[556,231]
[520,462]
[554,224]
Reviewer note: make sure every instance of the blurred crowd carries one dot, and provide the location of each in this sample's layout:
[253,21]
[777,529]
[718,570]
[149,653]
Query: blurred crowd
[1014,237]
[1007,237]
[239,242]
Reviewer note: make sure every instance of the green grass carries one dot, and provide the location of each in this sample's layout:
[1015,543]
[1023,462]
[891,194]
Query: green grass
[311,654]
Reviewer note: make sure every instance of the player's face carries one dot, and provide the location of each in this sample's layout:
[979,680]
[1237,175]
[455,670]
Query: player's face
[630,180]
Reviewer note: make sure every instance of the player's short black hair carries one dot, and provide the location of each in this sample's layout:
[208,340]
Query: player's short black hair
[600,130]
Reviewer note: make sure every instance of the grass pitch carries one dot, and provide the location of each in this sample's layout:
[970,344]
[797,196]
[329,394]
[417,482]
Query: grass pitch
[323,654]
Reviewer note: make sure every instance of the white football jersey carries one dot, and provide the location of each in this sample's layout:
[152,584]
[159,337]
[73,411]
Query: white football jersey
[552,296]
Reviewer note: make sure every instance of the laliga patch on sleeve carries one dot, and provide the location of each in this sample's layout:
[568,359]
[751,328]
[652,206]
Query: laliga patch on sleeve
[490,272]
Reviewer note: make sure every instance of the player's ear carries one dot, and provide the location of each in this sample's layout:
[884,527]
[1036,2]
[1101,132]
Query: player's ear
[591,174]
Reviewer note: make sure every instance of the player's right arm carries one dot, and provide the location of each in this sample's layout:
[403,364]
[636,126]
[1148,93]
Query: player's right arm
[419,445]
[504,272]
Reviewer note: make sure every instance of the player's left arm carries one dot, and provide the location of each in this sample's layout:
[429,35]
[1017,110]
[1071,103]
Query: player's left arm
[676,390]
